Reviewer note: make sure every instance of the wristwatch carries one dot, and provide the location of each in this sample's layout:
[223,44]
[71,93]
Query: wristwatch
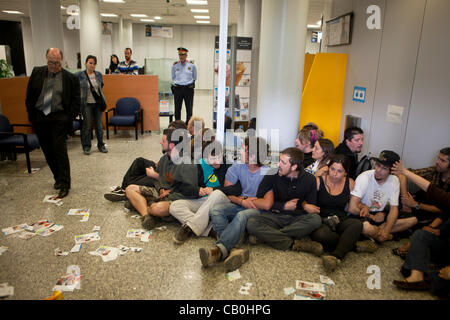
[417,206]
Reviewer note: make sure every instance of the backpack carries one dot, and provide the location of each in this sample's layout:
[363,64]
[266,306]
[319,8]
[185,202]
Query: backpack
[363,165]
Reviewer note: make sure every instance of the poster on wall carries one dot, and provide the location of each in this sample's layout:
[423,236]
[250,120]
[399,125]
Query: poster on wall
[158,31]
[106,28]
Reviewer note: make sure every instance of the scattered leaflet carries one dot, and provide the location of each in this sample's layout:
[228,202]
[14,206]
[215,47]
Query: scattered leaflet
[76,248]
[123,249]
[137,233]
[53,198]
[77,212]
[89,237]
[310,291]
[3,249]
[49,231]
[107,253]
[5,290]
[59,252]
[326,280]
[68,282]
[246,288]
[231,276]
[11,230]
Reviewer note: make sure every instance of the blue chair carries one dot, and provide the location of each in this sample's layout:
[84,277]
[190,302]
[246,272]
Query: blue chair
[127,113]
[11,143]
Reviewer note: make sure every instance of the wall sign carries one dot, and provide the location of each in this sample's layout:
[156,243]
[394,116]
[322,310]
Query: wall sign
[359,94]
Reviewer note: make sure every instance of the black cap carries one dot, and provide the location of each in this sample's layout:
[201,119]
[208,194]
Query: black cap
[387,158]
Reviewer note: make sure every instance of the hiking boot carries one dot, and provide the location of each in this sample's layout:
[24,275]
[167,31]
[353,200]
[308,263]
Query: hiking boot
[236,259]
[366,246]
[149,222]
[330,263]
[103,149]
[254,240]
[115,197]
[182,234]
[308,246]
[210,256]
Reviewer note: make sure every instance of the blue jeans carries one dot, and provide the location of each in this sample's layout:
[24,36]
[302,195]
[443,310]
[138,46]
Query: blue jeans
[229,221]
[91,112]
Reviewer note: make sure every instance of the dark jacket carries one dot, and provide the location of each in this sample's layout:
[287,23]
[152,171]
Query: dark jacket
[342,148]
[70,96]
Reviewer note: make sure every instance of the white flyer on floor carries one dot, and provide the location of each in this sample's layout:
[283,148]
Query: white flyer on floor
[233,275]
[52,198]
[49,231]
[76,248]
[135,233]
[14,229]
[146,236]
[106,253]
[3,249]
[5,290]
[326,280]
[68,282]
[89,237]
[77,212]
[85,218]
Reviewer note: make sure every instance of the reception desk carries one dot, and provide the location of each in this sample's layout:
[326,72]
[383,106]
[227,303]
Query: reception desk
[142,87]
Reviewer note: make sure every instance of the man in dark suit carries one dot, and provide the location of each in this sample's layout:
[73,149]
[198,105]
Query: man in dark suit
[53,101]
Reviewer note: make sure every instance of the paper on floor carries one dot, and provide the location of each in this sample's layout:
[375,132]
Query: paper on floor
[5,290]
[233,275]
[3,249]
[14,229]
[77,212]
[89,237]
[326,280]
[106,253]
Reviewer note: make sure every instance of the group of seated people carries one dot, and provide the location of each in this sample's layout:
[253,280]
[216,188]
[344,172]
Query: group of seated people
[316,201]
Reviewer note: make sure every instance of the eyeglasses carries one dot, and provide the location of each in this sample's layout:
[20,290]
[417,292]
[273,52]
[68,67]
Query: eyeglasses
[54,63]
[182,54]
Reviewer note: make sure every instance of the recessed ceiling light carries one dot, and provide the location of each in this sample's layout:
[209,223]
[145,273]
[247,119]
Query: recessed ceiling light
[108,14]
[157,18]
[197,2]
[313,26]
[200,10]
[203,21]
[12,12]
[116,1]
[138,15]
[201,17]
[147,20]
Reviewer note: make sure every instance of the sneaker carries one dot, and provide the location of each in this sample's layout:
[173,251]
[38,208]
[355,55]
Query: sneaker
[366,246]
[118,190]
[103,149]
[254,240]
[182,234]
[236,259]
[330,263]
[87,151]
[149,222]
[114,197]
[210,256]
[310,246]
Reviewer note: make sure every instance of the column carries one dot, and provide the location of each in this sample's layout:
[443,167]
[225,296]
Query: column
[282,54]
[47,27]
[90,33]
[249,25]
[27,36]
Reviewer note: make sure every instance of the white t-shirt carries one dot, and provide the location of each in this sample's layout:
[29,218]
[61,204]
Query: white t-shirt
[376,196]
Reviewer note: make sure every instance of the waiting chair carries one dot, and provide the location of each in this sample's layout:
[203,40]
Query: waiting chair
[11,143]
[127,113]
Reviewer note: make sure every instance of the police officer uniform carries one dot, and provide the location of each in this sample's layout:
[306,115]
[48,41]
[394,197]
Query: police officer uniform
[183,77]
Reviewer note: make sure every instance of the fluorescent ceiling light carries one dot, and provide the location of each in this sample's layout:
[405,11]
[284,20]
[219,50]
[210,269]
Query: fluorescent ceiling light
[12,12]
[203,21]
[116,1]
[157,18]
[313,26]
[138,15]
[200,10]
[147,20]
[201,17]
[197,2]
[108,14]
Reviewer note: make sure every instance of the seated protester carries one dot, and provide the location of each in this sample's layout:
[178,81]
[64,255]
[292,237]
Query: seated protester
[230,219]
[427,245]
[323,149]
[155,201]
[374,189]
[426,213]
[292,216]
[350,147]
[339,232]
[138,172]
[194,213]
[306,140]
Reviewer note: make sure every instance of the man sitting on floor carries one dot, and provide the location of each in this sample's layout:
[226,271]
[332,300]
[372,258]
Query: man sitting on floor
[373,190]
[155,201]
[290,218]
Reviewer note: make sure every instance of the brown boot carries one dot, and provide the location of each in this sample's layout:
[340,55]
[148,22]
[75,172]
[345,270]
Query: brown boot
[210,256]
[305,245]
[368,246]
[236,259]
[330,263]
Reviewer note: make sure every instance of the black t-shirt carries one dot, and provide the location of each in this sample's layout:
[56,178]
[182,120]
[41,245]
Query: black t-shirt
[303,188]
[342,148]
[308,159]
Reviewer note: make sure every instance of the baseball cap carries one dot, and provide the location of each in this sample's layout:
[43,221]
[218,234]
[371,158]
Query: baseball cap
[387,158]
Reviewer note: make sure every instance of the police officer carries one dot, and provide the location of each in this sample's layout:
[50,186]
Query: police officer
[184,74]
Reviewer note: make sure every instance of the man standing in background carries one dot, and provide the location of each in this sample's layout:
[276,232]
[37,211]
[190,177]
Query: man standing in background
[184,74]
[53,101]
[128,66]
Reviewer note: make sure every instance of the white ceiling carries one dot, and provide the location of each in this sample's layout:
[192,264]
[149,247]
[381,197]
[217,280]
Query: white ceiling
[175,12]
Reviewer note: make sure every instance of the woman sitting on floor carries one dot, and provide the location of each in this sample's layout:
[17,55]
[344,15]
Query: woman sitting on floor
[323,149]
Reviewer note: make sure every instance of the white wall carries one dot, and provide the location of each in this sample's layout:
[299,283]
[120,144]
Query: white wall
[71,39]
[404,64]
